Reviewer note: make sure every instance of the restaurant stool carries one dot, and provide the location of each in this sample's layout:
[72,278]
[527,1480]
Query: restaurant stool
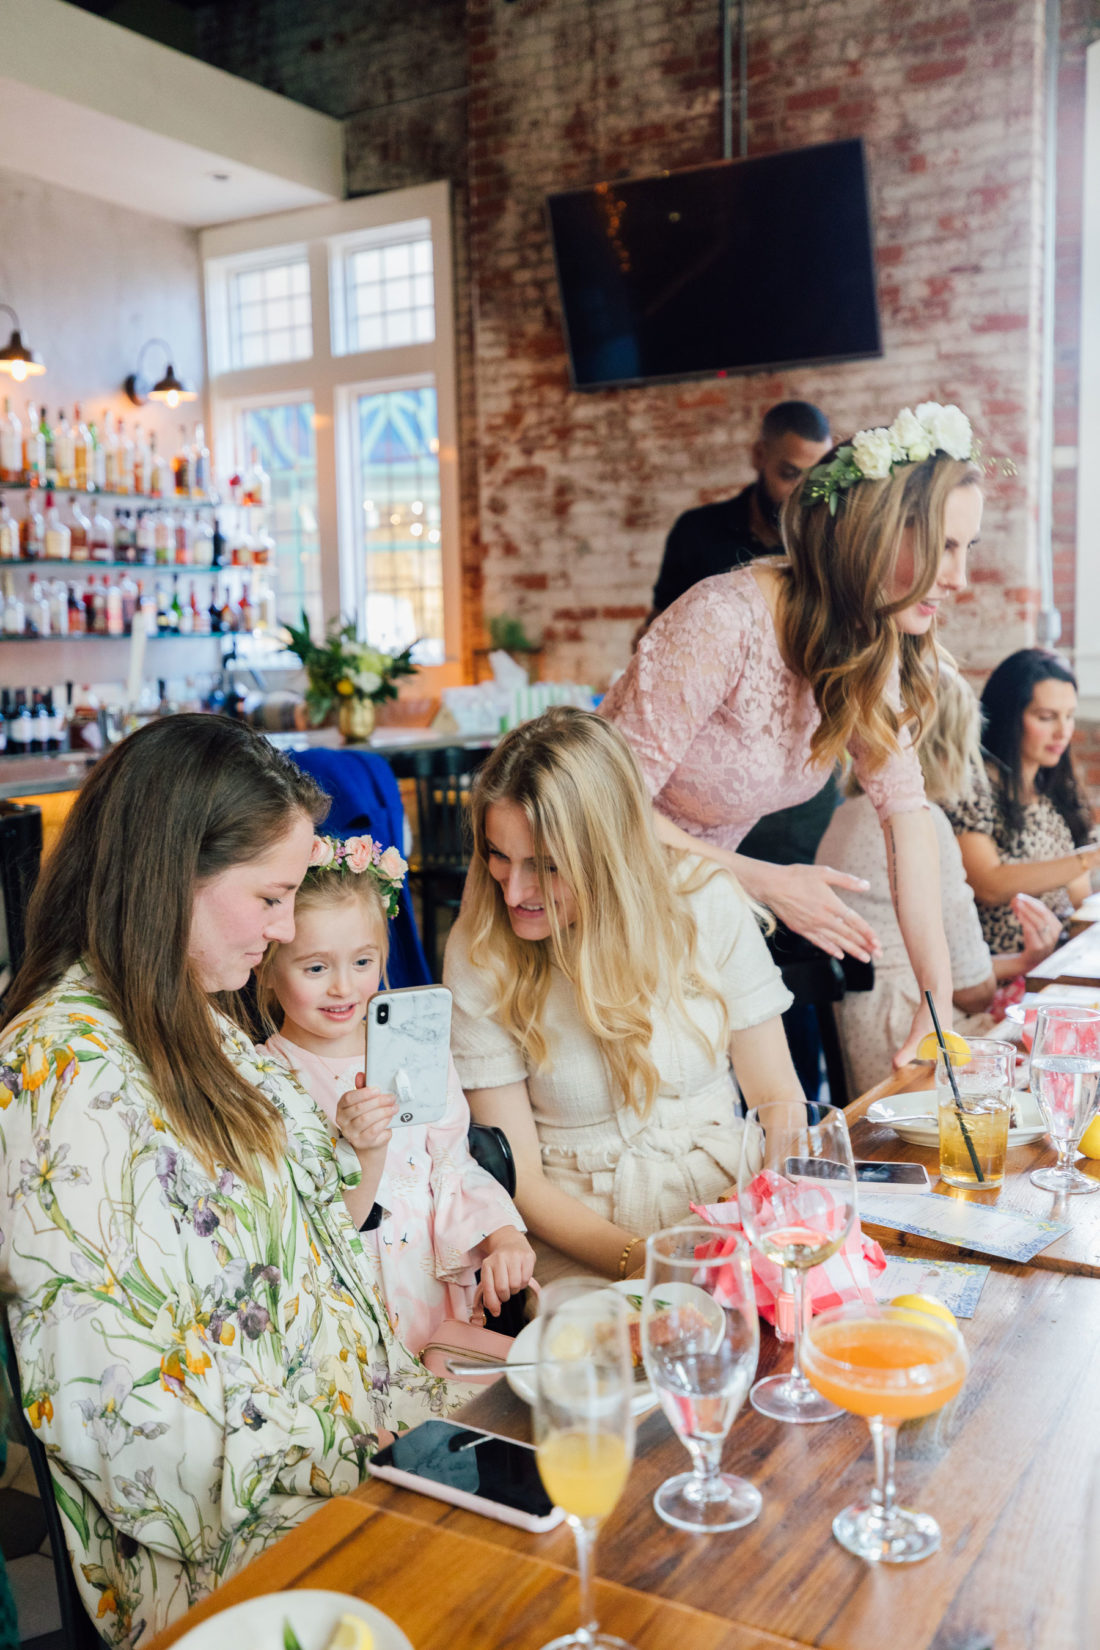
[20,857]
[77,1630]
[442,780]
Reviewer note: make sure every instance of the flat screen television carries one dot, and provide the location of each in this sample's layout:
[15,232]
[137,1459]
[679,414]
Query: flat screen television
[735,267]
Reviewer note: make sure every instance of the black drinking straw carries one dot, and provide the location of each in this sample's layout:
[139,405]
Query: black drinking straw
[954,1088]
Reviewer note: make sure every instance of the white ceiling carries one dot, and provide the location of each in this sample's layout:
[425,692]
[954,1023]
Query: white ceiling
[96,108]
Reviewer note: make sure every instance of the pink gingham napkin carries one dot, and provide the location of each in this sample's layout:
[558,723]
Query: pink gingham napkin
[845,1276]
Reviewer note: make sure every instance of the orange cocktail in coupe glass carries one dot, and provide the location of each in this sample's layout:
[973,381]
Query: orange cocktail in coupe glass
[889,1364]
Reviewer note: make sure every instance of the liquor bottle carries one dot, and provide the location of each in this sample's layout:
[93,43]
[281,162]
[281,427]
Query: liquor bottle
[55,732]
[110,456]
[187,617]
[83,457]
[214,613]
[202,553]
[217,545]
[77,616]
[99,607]
[181,467]
[32,531]
[57,542]
[64,452]
[113,604]
[164,538]
[145,538]
[120,534]
[147,610]
[162,609]
[43,722]
[141,462]
[11,445]
[131,594]
[125,460]
[23,724]
[14,616]
[184,546]
[200,465]
[99,460]
[9,534]
[268,616]
[59,608]
[5,713]
[34,449]
[49,462]
[175,609]
[37,610]
[257,483]
[160,472]
[229,614]
[101,541]
[247,617]
[80,532]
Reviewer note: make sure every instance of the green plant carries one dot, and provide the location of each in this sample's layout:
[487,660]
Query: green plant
[344,668]
[508,633]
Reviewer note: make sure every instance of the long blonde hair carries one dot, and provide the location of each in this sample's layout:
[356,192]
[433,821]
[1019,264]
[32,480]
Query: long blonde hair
[950,750]
[633,942]
[836,627]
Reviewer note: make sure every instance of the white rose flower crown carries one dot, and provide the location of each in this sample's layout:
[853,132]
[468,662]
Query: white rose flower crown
[872,455]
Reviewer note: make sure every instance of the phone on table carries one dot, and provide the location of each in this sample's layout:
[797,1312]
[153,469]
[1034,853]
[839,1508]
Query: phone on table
[408,1050]
[906,1176]
[470,1468]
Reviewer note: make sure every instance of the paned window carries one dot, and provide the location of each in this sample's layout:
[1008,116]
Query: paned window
[397,452]
[282,435]
[269,315]
[388,290]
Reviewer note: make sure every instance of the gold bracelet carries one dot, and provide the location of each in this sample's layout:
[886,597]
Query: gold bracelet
[1083,862]
[626,1254]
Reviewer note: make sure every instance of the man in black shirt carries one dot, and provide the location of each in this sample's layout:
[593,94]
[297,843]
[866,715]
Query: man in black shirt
[713,539]
[793,438]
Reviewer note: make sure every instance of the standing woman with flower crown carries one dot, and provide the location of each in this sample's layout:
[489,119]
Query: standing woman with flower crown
[746,691]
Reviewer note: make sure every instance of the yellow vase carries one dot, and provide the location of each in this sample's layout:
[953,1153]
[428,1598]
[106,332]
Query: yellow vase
[356,720]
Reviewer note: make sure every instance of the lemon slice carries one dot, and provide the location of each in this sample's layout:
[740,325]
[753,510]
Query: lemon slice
[925,1303]
[1089,1142]
[351,1633]
[569,1343]
[959,1049]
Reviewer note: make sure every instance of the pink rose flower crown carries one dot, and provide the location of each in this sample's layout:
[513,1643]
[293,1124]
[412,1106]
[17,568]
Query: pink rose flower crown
[356,855]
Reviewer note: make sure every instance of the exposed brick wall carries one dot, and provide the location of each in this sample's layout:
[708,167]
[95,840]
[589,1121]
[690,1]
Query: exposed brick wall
[567,498]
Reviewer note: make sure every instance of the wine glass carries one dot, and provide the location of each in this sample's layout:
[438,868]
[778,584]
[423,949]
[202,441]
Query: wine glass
[584,1423]
[700,1343]
[1065,1080]
[796,1186]
[888,1364]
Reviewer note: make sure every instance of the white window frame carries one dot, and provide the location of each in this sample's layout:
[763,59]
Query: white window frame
[328,379]
[1087,616]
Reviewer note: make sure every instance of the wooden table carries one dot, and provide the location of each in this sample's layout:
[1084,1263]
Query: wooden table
[1077,1252]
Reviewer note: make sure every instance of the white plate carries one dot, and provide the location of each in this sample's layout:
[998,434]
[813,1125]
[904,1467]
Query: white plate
[257,1624]
[526,1344]
[1069,996]
[893,1113]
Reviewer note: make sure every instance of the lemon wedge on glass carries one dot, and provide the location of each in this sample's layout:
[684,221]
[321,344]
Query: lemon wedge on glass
[351,1633]
[925,1303]
[959,1049]
[1089,1142]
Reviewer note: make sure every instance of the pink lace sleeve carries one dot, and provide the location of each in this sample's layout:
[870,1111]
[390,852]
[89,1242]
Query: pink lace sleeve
[686,665]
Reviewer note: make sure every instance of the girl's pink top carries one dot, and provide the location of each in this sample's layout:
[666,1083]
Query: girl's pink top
[438,1205]
[721,726]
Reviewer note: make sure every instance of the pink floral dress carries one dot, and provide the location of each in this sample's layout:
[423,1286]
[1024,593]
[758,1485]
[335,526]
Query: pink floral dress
[439,1206]
[721,725]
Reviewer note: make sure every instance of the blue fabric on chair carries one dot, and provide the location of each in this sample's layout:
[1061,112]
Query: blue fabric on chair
[366,801]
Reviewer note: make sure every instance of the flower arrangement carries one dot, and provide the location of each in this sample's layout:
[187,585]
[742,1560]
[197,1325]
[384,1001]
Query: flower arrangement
[344,669]
[872,455]
[354,855]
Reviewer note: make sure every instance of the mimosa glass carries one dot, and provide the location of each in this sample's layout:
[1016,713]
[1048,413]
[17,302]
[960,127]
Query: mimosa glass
[888,1364]
[1065,1080]
[584,1425]
[700,1342]
[796,1187]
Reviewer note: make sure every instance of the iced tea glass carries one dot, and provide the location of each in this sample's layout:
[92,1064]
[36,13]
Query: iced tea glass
[974,1129]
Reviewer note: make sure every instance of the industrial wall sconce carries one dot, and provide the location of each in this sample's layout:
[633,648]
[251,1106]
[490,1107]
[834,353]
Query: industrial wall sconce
[168,388]
[15,357]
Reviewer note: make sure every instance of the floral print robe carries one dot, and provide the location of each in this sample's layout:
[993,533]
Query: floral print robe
[203,1359]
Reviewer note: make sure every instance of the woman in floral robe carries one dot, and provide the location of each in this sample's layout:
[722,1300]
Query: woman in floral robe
[203,1350]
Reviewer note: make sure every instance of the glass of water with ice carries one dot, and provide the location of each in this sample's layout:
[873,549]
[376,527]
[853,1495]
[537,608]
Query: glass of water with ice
[1065,1080]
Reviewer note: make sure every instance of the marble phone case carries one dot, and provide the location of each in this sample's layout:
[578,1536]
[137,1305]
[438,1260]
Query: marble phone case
[408,1051]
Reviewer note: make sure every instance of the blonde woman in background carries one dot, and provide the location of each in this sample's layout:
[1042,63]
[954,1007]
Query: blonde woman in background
[602,987]
[870,1023]
[742,696]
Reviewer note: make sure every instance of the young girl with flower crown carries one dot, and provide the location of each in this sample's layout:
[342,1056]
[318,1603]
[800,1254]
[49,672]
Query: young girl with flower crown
[441,1216]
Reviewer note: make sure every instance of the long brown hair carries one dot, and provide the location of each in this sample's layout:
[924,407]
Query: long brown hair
[835,626]
[176,803]
[633,944]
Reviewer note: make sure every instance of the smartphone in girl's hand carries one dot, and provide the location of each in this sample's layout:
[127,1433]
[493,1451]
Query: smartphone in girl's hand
[408,1050]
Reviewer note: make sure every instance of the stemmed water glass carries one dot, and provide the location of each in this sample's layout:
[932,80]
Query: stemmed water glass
[700,1342]
[888,1364]
[584,1423]
[796,1186]
[1065,1080]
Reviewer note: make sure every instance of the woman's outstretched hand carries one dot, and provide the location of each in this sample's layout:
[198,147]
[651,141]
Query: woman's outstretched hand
[803,897]
[1041,929]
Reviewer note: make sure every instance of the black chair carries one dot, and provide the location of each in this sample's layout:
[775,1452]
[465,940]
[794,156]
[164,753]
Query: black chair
[442,780]
[20,857]
[76,1624]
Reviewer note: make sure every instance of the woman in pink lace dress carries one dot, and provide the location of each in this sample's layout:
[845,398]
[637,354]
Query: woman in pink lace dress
[744,693]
